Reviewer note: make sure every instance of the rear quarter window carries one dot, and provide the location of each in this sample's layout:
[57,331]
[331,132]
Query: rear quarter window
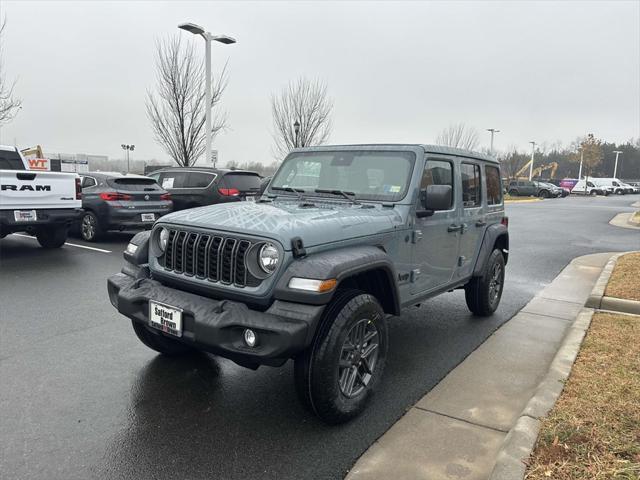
[494,185]
[242,181]
[10,161]
[169,180]
[199,179]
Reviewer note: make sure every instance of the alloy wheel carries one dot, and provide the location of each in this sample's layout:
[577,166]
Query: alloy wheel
[358,358]
[495,283]
[88,227]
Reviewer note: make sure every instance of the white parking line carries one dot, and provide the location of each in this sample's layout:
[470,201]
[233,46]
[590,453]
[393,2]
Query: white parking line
[101,250]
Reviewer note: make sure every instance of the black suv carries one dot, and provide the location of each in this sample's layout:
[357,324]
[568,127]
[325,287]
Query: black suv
[113,201]
[199,186]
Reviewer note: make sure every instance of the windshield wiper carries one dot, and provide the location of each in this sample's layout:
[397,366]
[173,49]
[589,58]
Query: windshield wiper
[351,196]
[299,191]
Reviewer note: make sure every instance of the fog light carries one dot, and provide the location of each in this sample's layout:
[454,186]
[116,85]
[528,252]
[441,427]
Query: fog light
[250,337]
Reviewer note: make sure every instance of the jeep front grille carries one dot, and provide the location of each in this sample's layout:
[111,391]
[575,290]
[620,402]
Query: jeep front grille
[212,257]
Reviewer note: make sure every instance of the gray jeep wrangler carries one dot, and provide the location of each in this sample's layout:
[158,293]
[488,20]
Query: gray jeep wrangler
[342,238]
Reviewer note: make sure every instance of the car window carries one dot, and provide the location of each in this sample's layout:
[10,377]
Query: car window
[10,160]
[155,176]
[494,192]
[199,179]
[244,182]
[173,180]
[438,172]
[134,184]
[589,184]
[88,182]
[470,173]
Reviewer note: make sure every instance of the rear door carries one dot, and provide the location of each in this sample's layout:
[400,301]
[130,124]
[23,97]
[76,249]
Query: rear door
[246,184]
[174,182]
[472,216]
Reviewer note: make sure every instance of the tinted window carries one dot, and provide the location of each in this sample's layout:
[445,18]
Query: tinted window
[437,172]
[88,182]
[134,184]
[10,161]
[170,180]
[199,179]
[494,190]
[470,174]
[242,181]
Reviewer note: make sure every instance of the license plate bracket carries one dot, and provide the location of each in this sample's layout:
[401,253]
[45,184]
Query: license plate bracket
[25,215]
[165,318]
[148,217]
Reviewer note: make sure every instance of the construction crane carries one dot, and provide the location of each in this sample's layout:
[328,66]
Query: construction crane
[537,171]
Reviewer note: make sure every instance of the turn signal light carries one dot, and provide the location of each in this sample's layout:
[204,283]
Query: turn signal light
[78,189]
[114,196]
[313,285]
[229,192]
[505,221]
[165,196]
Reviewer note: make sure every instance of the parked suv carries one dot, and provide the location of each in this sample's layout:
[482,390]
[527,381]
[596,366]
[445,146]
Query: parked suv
[532,188]
[113,201]
[199,186]
[343,238]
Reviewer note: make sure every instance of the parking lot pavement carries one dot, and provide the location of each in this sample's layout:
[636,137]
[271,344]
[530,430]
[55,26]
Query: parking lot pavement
[82,398]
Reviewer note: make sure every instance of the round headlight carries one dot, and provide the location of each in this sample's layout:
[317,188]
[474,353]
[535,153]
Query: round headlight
[163,238]
[268,258]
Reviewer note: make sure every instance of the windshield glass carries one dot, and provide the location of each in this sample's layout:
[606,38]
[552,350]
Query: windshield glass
[369,175]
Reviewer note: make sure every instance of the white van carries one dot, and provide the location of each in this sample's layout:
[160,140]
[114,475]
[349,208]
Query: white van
[589,187]
[614,185]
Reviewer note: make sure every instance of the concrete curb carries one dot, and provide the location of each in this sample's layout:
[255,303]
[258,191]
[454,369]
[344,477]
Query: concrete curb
[623,220]
[526,200]
[521,439]
[633,222]
[598,300]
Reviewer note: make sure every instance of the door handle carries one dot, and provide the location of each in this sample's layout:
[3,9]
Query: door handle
[480,223]
[454,228]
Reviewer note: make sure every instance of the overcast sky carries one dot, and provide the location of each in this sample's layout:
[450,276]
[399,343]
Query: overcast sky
[397,72]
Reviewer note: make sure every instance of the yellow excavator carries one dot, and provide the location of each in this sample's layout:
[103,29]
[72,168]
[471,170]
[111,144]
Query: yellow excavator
[537,171]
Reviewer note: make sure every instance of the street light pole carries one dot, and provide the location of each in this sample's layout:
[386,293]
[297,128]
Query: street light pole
[615,168]
[296,129]
[533,152]
[128,148]
[581,160]
[208,38]
[493,131]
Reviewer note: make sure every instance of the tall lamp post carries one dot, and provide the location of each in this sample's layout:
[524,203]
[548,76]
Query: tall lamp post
[128,148]
[493,132]
[533,152]
[208,38]
[296,129]
[615,168]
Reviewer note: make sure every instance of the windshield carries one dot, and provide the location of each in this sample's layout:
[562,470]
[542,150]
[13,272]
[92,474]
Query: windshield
[368,175]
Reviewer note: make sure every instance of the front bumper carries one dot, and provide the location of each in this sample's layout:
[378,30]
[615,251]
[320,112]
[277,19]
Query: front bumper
[217,326]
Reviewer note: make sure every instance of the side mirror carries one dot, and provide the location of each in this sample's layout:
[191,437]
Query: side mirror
[434,198]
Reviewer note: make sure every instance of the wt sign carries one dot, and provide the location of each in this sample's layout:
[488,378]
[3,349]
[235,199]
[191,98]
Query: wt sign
[38,163]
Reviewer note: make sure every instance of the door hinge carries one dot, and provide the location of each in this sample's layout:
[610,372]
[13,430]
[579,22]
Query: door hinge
[461,260]
[415,273]
[416,236]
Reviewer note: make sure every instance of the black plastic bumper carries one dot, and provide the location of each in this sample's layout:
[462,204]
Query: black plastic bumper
[44,217]
[217,326]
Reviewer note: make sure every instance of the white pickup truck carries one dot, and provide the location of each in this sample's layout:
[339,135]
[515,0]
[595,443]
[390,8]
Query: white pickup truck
[41,203]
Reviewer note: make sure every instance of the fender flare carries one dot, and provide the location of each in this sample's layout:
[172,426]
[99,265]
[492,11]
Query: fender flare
[491,234]
[339,264]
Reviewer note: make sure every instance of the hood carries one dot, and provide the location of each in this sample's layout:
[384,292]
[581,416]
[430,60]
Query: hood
[323,222]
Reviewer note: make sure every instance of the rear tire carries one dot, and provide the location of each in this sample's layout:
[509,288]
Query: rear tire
[90,229]
[52,237]
[483,293]
[159,343]
[337,375]
[513,193]
[543,194]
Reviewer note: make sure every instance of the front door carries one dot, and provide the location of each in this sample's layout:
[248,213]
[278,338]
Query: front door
[472,217]
[435,238]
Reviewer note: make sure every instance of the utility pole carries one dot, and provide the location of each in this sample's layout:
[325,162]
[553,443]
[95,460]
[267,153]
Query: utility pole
[493,131]
[581,160]
[533,152]
[296,129]
[615,168]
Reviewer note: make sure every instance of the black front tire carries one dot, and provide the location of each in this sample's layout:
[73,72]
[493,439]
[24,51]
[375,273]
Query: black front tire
[158,342]
[52,237]
[544,194]
[513,193]
[483,293]
[331,377]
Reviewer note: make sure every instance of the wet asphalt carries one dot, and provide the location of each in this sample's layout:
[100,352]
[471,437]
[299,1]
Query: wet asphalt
[81,397]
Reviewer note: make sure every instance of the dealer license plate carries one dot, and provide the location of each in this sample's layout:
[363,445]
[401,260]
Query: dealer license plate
[165,318]
[250,198]
[148,217]
[25,215]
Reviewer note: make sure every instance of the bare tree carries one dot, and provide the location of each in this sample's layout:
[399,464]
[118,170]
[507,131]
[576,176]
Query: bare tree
[9,105]
[306,103]
[459,135]
[177,109]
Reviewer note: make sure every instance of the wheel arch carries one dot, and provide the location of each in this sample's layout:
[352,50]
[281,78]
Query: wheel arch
[495,236]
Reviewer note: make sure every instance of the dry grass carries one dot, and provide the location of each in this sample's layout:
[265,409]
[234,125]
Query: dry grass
[636,217]
[593,432]
[625,280]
